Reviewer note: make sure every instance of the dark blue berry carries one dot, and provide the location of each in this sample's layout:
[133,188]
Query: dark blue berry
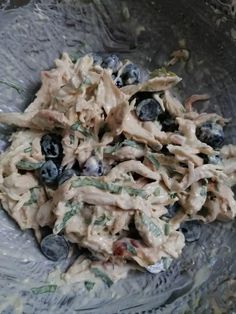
[214,159]
[212,134]
[148,109]
[118,82]
[111,62]
[66,175]
[168,123]
[191,230]
[97,59]
[131,74]
[55,247]
[93,167]
[51,146]
[49,173]
[172,210]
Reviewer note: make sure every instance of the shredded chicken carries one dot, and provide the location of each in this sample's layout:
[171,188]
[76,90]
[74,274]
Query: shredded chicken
[144,169]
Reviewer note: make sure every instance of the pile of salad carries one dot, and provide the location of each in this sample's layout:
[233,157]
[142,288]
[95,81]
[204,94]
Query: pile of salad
[106,158]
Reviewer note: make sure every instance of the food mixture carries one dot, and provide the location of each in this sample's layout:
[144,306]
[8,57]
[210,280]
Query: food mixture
[107,162]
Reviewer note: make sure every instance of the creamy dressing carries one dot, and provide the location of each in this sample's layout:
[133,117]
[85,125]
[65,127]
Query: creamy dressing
[139,181]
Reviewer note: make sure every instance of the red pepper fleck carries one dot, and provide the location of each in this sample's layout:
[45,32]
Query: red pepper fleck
[134,243]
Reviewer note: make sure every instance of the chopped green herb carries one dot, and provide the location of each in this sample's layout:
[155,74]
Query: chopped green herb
[132,144]
[12,85]
[88,220]
[151,226]
[74,57]
[173,195]
[89,285]
[74,208]
[78,127]
[117,146]
[154,161]
[72,139]
[28,165]
[86,181]
[135,192]
[157,192]
[28,150]
[110,187]
[33,197]
[101,220]
[161,72]
[104,277]
[112,149]
[167,229]
[131,249]
[44,289]
[98,150]
[87,81]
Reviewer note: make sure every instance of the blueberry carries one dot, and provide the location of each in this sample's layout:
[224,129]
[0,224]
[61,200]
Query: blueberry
[55,247]
[131,74]
[111,62]
[92,167]
[214,159]
[211,134]
[49,173]
[168,123]
[191,230]
[148,109]
[172,210]
[66,175]
[51,146]
[118,82]
[97,59]
[76,167]
[141,96]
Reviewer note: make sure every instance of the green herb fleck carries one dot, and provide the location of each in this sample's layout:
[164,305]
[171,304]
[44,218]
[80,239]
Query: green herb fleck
[44,289]
[85,132]
[173,195]
[12,85]
[28,165]
[131,249]
[153,160]
[89,285]
[87,81]
[112,149]
[72,139]
[132,144]
[110,187]
[88,220]
[117,146]
[157,192]
[74,56]
[33,197]
[161,72]
[167,229]
[28,150]
[74,208]
[135,192]
[101,221]
[104,277]
[151,226]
